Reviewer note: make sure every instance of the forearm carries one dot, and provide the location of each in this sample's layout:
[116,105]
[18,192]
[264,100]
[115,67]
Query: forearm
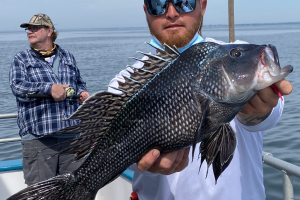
[267,123]
[252,119]
[22,87]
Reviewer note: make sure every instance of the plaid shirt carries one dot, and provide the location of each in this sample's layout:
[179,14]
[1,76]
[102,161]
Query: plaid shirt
[30,74]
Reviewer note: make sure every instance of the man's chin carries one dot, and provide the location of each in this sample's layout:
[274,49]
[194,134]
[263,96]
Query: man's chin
[32,43]
[31,40]
[176,38]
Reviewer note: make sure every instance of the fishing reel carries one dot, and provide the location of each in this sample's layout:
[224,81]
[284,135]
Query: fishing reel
[70,95]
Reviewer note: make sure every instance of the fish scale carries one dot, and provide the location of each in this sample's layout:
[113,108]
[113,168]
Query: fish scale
[175,101]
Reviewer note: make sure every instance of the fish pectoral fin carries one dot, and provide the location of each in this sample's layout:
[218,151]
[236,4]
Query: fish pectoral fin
[218,149]
[202,112]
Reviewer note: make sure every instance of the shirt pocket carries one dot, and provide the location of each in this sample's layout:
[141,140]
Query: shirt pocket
[30,153]
[38,72]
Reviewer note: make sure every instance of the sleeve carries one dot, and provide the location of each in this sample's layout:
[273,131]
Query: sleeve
[19,83]
[268,123]
[224,43]
[134,168]
[120,76]
[81,84]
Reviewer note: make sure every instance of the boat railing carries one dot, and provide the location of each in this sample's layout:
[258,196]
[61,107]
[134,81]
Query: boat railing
[288,170]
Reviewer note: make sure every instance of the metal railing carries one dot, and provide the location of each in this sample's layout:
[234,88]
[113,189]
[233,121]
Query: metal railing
[11,115]
[288,169]
[6,116]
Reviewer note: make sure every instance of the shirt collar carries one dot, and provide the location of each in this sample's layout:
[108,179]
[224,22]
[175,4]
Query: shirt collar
[197,39]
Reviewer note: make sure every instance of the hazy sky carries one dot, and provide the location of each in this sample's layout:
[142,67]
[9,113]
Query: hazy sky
[72,14]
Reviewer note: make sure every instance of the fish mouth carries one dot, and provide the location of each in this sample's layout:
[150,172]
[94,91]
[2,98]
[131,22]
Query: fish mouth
[269,70]
[269,58]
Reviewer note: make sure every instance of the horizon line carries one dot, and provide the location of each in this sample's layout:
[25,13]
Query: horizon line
[205,25]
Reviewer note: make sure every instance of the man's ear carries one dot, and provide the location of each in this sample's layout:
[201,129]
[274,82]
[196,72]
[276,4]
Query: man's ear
[50,32]
[203,6]
[145,9]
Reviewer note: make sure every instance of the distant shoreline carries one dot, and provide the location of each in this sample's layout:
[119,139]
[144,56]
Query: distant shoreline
[132,28]
[252,24]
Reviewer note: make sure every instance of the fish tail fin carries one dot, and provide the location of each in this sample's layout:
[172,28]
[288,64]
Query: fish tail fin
[59,187]
[218,149]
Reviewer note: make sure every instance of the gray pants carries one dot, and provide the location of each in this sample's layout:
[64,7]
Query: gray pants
[36,165]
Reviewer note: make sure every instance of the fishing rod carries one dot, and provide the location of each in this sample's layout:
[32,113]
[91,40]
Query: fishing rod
[69,92]
[45,96]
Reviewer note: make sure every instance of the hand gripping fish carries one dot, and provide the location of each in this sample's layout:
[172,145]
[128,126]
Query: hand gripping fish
[176,100]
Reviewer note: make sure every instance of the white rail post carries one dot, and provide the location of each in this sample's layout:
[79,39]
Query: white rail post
[231,20]
[288,191]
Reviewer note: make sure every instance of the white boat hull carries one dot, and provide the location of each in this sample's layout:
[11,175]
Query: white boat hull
[12,182]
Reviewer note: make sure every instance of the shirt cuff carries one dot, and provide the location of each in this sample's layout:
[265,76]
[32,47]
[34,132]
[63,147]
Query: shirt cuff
[46,88]
[134,168]
[81,90]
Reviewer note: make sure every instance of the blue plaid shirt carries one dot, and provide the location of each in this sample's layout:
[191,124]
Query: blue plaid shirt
[30,74]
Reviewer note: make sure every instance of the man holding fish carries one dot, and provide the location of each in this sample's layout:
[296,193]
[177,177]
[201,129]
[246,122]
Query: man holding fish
[172,176]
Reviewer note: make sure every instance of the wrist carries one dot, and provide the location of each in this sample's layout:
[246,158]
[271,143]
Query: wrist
[47,88]
[254,119]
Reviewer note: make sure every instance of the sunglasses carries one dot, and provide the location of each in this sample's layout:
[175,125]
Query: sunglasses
[160,7]
[33,28]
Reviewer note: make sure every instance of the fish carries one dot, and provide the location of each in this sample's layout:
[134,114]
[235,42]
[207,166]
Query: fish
[174,101]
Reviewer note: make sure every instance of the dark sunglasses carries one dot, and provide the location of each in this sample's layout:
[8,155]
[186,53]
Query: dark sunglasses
[34,28]
[160,7]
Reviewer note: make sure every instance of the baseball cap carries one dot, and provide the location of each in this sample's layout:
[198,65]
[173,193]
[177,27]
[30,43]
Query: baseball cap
[39,20]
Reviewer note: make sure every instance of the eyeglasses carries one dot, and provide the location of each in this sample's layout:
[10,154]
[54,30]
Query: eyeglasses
[160,7]
[33,28]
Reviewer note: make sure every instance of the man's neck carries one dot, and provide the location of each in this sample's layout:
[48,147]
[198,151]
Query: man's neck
[197,38]
[43,46]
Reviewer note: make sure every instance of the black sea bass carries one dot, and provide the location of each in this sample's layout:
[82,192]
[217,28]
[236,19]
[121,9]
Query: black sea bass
[176,100]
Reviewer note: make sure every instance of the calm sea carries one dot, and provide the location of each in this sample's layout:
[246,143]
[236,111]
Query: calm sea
[102,53]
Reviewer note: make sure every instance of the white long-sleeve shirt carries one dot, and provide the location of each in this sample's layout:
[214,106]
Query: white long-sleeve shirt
[242,180]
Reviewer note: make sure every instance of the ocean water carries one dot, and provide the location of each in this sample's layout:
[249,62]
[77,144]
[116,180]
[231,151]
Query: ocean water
[102,53]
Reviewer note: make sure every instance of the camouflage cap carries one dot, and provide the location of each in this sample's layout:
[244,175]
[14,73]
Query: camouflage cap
[39,20]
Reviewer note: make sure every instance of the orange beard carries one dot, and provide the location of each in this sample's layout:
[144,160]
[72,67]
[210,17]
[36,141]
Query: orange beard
[174,38]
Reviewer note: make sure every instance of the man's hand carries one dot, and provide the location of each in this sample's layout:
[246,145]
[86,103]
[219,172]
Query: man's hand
[164,164]
[260,107]
[84,96]
[58,92]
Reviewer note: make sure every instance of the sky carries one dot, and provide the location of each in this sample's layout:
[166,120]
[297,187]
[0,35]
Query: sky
[78,14]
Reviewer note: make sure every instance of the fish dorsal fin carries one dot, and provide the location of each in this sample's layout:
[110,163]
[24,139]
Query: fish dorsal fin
[218,149]
[153,65]
[99,110]
[95,115]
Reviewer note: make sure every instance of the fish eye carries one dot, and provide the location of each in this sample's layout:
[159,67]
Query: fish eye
[235,53]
